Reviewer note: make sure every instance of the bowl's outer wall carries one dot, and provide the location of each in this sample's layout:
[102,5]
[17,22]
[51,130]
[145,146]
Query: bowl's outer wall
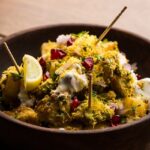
[131,138]
[20,137]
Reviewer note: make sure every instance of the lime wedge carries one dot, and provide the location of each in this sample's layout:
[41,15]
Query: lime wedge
[32,72]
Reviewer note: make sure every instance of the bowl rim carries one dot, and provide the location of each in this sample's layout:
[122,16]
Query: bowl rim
[56,130]
[43,27]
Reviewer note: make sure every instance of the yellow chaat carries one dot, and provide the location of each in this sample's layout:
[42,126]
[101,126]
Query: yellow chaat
[60,97]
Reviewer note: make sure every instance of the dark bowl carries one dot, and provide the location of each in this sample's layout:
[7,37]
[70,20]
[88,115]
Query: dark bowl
[20,135]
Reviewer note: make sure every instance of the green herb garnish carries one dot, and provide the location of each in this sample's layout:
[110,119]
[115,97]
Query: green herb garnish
[16,76]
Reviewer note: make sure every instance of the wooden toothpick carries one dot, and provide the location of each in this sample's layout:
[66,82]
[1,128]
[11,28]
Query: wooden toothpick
[100,38]
[90,89]
[12,57]
[112,23]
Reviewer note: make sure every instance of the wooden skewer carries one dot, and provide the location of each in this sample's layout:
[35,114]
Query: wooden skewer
[112,23]
[11,57]
[100,38]
[90,90]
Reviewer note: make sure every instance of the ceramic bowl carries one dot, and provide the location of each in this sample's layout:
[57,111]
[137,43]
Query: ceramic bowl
[20,135]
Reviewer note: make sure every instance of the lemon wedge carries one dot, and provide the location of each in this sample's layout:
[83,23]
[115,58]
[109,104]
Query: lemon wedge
[32,72]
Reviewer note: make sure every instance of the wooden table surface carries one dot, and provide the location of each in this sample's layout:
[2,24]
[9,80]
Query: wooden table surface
[16,15]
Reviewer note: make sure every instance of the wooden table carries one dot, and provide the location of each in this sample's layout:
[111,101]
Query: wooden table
[16,15]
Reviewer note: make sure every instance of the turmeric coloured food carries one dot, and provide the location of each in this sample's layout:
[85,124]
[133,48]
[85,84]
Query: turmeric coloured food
[52,90]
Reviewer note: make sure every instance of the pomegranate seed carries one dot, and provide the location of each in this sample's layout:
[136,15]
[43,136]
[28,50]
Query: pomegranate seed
[70,42]
[46,76]
[139,76]
[57,54]
[88,63]
[115,120]
[43,64]
[75,103]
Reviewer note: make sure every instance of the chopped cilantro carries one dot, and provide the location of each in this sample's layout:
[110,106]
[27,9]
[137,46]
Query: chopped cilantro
[123,119]
[54,76]
[94,93]
[16,76]
[133,109]
[105,40]
[99,57]
[80,33]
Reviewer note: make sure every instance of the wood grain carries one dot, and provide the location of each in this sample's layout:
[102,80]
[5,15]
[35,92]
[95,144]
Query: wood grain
[18,15]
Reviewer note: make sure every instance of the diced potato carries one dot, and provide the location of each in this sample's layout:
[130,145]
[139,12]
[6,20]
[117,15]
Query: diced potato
[12,87]
[10,84]
[99,112]
[54,110]
[25,114]
[135,107]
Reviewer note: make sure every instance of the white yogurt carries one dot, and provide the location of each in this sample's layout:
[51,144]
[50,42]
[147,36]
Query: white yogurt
[72,81]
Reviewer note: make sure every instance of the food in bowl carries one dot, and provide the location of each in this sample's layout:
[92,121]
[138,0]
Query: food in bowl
[52,90]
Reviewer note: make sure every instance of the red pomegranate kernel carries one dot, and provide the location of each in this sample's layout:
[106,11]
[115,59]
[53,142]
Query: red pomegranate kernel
[46,76]
[42,61]
[88,63]
[70,42]
[57,54]
[139,76]
[75,103]
[115,120]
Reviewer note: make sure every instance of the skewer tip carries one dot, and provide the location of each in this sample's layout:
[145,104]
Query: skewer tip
[125,7]
[112,23]
[12,57]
